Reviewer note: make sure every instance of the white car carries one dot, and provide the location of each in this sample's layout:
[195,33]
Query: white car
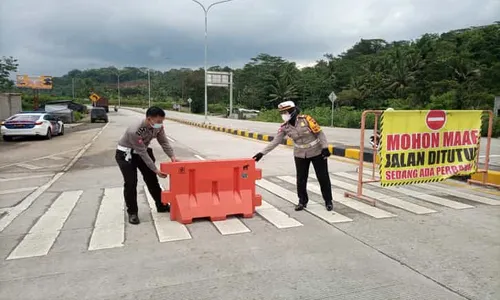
[31,124]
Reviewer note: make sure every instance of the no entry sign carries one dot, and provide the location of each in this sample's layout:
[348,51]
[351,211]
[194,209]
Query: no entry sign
[435,119]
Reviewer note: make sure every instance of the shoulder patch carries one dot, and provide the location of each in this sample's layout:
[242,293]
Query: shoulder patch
[313,125]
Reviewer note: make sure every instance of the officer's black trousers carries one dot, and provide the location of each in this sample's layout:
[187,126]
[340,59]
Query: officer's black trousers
[129,172]
[320,165]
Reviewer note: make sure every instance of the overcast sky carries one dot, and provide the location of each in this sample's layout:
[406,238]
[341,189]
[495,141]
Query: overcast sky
[51,37]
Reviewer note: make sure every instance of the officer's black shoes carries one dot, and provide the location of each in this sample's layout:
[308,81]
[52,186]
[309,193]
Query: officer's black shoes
[329,207]
[163,208]
[300,206]
[133,219]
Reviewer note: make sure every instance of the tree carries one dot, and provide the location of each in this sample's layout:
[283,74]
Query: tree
[7,65]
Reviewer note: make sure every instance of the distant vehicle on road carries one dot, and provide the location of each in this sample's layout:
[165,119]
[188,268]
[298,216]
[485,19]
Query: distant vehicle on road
[102,102]
[34,123]
[98,113]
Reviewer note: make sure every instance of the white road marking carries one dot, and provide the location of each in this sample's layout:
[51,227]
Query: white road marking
[199,157]
[276,217]
[312,207]
[458,193]
[466,196]
[408,206]
[18,209]
[19,190]
[166,229]
[55,158]
[415,194]
[339,197]
[40,158]
[28,166]
[25,177]
[231,225]
[82,151]
[109,229]
[44,233]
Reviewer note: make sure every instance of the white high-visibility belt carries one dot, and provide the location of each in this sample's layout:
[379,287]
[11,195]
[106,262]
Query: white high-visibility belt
[308,145]
[127,150]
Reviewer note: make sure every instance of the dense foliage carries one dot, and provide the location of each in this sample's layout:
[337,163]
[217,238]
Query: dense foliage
[454,70]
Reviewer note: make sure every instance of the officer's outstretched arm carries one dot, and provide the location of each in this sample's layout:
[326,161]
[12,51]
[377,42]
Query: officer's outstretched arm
[274,143]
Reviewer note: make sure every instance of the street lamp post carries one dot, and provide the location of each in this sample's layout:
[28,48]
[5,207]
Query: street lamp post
[206,47]
[149,85]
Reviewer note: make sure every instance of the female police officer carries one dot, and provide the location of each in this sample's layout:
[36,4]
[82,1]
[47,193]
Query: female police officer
[310,145]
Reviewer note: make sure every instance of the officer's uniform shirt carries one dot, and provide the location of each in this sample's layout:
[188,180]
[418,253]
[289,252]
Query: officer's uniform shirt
[139,135]
[305,131]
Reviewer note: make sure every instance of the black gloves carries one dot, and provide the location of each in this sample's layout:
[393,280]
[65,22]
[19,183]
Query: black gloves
[325,152]
[258,156]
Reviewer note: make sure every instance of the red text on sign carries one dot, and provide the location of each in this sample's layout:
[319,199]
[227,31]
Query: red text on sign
[460,138]
[413,141]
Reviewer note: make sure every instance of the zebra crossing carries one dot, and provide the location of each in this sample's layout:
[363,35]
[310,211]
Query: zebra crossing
[109,230]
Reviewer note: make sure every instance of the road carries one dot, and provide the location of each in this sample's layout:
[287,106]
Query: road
[338,136]
[68,239]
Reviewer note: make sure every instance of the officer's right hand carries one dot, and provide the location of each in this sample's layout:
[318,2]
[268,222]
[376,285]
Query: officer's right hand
[325,153]
[161,174]
[258,156]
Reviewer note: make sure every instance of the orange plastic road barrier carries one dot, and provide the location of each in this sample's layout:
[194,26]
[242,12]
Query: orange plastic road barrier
[211,188]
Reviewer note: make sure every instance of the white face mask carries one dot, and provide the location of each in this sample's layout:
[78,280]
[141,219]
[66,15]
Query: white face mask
[285,117]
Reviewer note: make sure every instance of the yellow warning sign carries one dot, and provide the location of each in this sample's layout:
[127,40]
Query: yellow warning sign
[94,97]
[421,146]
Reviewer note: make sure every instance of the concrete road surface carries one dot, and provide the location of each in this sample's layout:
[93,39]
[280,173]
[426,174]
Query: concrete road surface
[343,136]
[68,238]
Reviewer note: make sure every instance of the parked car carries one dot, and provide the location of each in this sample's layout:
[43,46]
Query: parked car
[98,113]
[31,124]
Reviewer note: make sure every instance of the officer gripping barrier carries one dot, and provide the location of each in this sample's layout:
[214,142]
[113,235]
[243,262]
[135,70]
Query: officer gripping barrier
[445,146]
[211,188]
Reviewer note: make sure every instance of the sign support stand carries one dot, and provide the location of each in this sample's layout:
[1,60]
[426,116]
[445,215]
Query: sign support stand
[332,98]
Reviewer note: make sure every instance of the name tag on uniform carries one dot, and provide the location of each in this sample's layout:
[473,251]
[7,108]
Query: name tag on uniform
[302,124]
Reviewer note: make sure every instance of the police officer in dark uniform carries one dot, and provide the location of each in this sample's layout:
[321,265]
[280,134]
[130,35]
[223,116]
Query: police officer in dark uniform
[133,153]
[310,146]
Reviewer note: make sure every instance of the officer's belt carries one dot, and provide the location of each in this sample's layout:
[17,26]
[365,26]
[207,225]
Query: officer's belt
[308,145]
[124,149]
[128,152]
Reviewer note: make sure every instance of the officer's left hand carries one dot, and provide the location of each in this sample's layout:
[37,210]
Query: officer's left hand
[325,153]
[174,159]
